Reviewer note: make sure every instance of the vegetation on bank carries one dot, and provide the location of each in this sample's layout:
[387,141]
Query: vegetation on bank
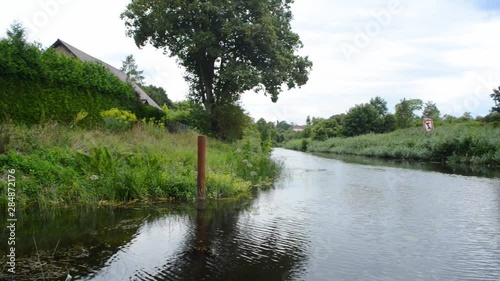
[74,133]
[472,142]
[56,164]
[369,129]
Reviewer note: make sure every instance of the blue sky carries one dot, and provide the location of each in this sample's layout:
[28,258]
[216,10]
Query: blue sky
[487,4]
[445,51]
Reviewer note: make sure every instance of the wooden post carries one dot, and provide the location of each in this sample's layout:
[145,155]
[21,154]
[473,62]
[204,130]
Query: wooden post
[202,161]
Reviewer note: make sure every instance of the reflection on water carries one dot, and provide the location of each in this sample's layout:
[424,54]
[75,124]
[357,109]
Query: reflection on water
[49,243]
[212,243]
[325,219]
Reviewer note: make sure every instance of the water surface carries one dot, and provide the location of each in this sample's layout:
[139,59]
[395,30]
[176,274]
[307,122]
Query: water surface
[325,219]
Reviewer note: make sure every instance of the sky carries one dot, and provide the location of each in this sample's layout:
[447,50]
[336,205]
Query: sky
[444,51]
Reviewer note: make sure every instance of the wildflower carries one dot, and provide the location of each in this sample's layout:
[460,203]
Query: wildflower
[238,150]
[94,177]
[245,161]
[253,173]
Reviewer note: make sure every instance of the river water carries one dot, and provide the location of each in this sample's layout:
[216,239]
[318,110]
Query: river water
[325,219]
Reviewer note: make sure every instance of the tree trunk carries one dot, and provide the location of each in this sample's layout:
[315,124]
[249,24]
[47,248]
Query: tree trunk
[207,67]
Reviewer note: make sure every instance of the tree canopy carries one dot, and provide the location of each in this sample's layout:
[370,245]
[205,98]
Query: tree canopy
[282,125]
[159,95]
[431,111]
[496,98]
[324,129]
[130,68]
[405,112]
[361,119]
[380,105]
[226,47]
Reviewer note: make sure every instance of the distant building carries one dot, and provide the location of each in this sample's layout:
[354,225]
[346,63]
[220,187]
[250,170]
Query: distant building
[297,128]
[63,47]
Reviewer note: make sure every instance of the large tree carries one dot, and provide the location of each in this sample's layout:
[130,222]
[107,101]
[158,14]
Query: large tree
[431,111]
[361,119]
[405,112]
[226,47]
[324,129]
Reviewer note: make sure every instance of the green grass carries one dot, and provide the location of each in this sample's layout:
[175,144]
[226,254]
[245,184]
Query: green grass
[461,143]
[60,165]
[294,144]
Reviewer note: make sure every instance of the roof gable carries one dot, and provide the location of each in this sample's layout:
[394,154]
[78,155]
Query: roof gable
[61,45]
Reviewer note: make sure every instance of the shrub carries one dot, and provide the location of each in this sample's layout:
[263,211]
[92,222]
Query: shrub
[304,144]
[224,185]
[118,120]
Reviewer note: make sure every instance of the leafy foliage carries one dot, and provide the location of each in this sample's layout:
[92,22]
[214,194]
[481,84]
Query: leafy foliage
[37,86]
[283,125]
[118,120]
[496,99]
[361,119]
[388,124]
[380,105]
[226,47]
[129,67]
[158,94]
[430,111]
[467,116]
[405,112]
[230,121]
[325,129]
[493,118]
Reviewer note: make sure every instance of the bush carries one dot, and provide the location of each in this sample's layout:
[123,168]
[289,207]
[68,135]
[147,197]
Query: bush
[294,144]
[118,120]
[304,143]
[493,117]
[224,185]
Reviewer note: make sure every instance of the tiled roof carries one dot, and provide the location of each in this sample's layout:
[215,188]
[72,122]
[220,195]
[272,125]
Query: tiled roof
[118,73]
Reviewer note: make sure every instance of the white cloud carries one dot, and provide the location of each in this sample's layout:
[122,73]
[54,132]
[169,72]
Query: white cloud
[432,50]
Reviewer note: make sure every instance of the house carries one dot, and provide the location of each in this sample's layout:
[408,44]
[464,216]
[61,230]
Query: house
[63,47]
[297,128]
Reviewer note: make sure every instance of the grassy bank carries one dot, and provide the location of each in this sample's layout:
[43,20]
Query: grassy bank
[60,165]
[461,143]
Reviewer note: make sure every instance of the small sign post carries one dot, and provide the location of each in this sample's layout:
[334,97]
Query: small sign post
[202,160]
[428,125]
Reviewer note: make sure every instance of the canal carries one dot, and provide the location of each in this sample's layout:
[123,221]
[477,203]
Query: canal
[325,219]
